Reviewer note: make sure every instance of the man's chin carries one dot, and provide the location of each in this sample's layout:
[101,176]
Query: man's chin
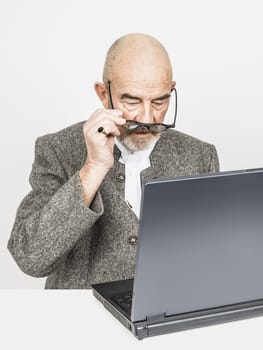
[139,141]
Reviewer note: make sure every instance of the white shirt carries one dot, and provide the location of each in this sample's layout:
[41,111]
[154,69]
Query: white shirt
[134,163]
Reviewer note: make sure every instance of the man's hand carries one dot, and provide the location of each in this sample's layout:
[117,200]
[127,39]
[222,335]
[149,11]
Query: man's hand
[100,149]
[100,146]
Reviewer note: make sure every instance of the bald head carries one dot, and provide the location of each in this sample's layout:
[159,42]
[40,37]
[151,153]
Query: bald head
[140,72]
[136,57]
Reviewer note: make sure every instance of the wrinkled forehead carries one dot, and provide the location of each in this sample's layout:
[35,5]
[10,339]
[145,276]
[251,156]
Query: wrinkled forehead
[133,75]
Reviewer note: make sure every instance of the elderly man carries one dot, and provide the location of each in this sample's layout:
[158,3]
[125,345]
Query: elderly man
[79,224]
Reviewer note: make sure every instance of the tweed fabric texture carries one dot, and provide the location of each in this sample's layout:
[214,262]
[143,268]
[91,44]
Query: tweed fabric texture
[56,235]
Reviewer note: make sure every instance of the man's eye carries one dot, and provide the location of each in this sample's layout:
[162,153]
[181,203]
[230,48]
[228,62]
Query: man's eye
[132,103]
[159,104]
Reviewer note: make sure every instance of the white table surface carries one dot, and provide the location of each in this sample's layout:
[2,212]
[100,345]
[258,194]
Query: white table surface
[40,319]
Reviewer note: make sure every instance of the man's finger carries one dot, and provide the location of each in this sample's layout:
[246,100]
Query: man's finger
[101,115]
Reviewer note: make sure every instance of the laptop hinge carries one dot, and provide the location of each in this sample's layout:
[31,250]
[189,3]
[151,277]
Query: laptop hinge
[155,319]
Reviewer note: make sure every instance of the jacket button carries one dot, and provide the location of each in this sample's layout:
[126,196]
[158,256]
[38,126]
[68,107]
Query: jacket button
[120,177]
[132,240]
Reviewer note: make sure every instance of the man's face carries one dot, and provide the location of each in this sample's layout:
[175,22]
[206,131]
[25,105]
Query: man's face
[143,99]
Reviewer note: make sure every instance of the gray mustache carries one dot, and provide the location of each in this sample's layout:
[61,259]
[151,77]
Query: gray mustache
[139,128]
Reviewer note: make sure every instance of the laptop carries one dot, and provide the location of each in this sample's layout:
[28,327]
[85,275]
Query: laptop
[199,258]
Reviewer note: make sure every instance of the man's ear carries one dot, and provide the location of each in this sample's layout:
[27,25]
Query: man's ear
[101,91]
[173,84]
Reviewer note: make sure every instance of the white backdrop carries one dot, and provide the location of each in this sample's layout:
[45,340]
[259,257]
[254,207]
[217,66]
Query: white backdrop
[53,51]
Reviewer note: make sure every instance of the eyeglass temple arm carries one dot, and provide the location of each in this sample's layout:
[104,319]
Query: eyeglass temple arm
[175,97]
[111,103]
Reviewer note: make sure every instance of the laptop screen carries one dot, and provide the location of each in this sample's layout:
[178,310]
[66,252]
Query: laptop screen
[200,243]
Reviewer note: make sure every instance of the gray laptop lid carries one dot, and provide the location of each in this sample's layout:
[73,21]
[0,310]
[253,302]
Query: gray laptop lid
[200,243]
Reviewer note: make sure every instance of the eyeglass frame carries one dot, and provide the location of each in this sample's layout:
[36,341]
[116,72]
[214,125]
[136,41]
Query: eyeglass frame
[147,125]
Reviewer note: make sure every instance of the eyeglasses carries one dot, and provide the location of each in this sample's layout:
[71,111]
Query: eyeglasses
[134,126]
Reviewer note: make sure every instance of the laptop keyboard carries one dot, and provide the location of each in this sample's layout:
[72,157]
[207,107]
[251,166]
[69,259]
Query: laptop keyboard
[124,301]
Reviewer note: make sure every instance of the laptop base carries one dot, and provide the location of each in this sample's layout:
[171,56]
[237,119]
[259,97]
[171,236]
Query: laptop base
[161,324]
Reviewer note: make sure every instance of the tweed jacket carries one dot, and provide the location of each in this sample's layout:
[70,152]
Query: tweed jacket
[56,235]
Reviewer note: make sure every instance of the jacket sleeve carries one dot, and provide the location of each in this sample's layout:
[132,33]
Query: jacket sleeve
[214,166]
[52,217]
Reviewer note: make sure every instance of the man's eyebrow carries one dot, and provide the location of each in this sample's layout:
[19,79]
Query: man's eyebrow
[163,97]
[131,97]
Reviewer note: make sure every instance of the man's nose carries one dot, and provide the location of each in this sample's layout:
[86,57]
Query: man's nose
[146,114]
